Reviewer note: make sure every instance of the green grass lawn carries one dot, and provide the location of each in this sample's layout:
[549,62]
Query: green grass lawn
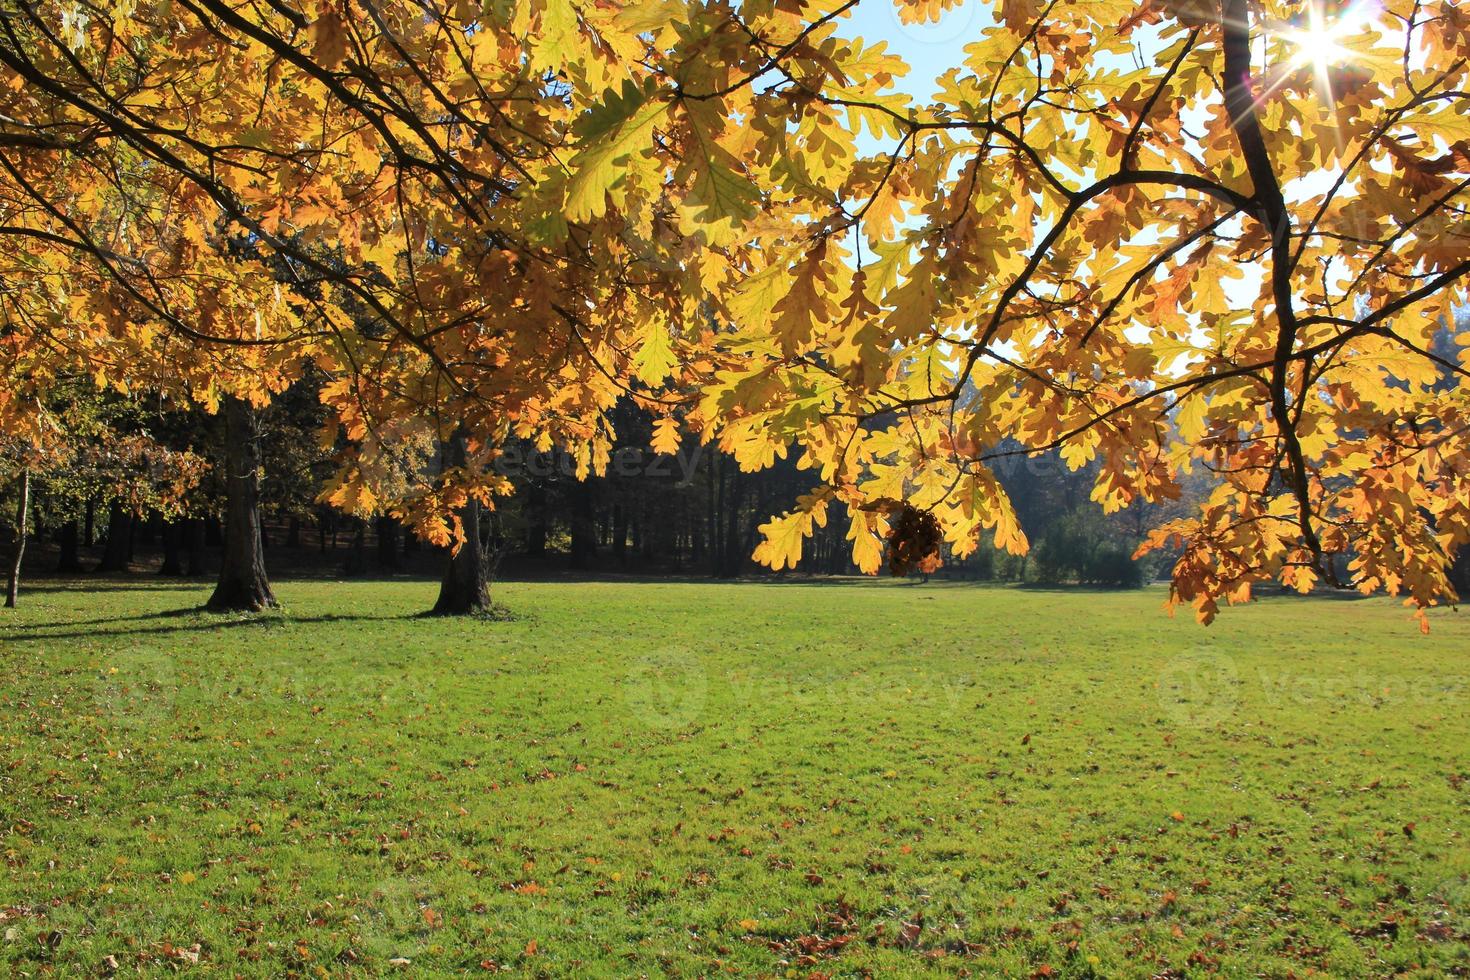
[692,779]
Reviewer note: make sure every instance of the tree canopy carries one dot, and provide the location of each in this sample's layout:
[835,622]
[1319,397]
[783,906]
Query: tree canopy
[1159,237]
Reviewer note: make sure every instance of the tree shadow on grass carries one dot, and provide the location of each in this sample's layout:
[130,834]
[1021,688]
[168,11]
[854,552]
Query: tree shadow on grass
[112,582]
[201,620]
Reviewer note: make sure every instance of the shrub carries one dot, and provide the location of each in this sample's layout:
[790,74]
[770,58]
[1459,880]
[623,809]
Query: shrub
[1114,567]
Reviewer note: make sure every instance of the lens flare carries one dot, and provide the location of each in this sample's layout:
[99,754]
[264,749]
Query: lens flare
[1319,43]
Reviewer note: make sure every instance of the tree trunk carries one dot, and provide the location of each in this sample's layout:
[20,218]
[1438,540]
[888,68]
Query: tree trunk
[356,563]
[90,538]
[733,558]
[12,585]
[119,535]
[388,560]
[716,508]
[466,586]
[584,524]
[69,540]
[536,522]
[242,580]
[711,512]
[696,538]
[144,531]
[173,549]
[620,534]
[198,563]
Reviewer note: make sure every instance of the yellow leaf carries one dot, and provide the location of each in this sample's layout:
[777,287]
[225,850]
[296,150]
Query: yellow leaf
[1192,416]
[754,299]
[865,532]
[559,36]
[655,360]
[666,435]
[781,537]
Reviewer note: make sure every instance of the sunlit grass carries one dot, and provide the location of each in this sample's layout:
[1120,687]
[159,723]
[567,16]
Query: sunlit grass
[687,779]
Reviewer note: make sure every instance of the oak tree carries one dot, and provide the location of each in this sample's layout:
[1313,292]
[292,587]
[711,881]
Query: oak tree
[1158,237]
[1161,236]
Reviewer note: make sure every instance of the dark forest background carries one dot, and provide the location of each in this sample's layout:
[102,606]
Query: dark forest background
[691,514]
[694,514]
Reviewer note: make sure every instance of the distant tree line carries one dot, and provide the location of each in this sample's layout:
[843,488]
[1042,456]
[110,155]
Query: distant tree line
[694,512]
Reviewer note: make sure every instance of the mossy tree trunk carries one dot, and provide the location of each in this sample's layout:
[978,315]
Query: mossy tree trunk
[243,584]
[465,590]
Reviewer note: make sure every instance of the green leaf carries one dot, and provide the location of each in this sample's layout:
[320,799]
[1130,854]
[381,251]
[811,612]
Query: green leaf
[722,193]
[611,135]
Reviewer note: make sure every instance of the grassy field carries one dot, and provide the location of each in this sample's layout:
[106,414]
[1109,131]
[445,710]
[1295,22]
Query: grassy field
[692,779]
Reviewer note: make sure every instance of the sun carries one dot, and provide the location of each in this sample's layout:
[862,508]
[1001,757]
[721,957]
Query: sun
[1318,47]
[1319,43]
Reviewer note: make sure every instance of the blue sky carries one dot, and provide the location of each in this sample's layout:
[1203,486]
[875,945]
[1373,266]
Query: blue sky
[929,49]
